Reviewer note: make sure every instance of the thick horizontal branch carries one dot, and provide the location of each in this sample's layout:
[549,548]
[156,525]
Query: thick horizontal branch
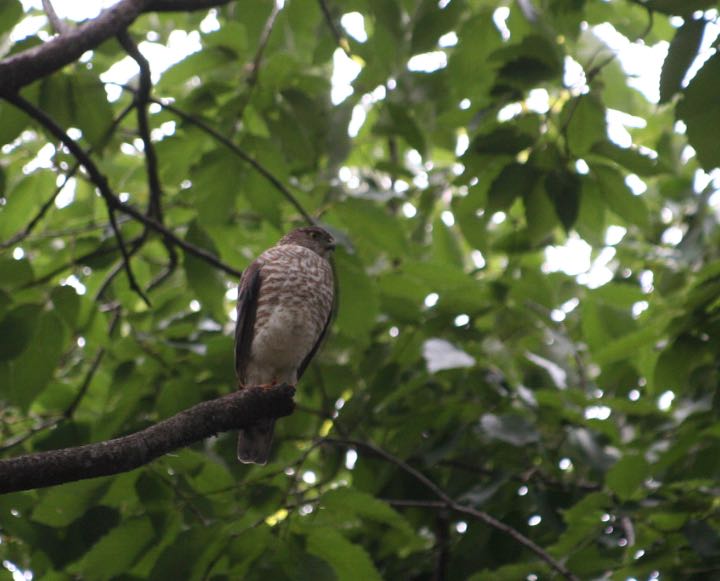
[237,410]
[182,5]
[21,69]
[27,66]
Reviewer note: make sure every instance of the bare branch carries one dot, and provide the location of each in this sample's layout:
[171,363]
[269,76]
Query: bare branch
[261,169]
[27,66]
[235,411]
[94,366]
[124,252]
[103,187]
[264,38]
[142,100]
[339,38]
[25,232]
[447,502]
[20,438]
[55,21]
[182,5]
[21,69]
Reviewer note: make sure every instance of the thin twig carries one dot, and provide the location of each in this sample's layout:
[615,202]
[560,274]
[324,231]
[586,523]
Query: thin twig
[27,230]
[125,254]
[442,548]
[339,38]
[261,169]
[56,22]
[19,439]
[262,44]
[142,100]
[94,366]
[98,252]
[100,181]
[448,502]
[69,411]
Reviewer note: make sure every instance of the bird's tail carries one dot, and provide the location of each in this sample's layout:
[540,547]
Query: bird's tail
[254,442]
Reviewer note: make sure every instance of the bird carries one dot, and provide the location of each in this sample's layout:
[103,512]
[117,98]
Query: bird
[286,298]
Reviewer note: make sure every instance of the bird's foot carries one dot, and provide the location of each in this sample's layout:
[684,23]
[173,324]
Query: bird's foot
[270,385]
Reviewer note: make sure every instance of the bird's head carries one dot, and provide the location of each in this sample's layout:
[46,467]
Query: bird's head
[315,238]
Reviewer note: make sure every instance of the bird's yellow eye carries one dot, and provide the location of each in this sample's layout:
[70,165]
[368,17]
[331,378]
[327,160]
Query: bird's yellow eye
[314,234]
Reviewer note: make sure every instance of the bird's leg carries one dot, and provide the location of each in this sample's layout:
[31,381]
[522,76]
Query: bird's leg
[273,383]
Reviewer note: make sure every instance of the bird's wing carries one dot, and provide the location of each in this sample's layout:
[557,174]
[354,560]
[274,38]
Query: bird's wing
[248,292]
[320,339]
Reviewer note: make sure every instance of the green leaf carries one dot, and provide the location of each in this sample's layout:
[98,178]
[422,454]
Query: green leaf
[61,505]
[584,117]
[618,197]
[513,429]
[504,139]
[190,553]
[514,181]
[627,345]
[431,23]
[17,329]
[28,374]
[92,112]
[232,35]
[563,187]
[350,562]
[24,200]
[700,109]
[627,475]
[372,227]
[10,13]
[204,279]
[590,222]
[355,288]
[681,54]
[117,551]
[629,158]
[66,303]
[682,7]
[399,120]
[348,500]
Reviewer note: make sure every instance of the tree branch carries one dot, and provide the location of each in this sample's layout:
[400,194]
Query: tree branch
[182,5]
[334,30]
[103,187]
[261,169]
[447,502]
[27,230]
[235,411]
[57,23]
[142,100]
[124,252]
[21,69]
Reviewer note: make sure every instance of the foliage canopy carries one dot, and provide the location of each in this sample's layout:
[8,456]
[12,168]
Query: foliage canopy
[580,410]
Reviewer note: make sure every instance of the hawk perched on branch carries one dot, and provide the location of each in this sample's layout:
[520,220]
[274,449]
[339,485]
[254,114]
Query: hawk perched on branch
[285,300]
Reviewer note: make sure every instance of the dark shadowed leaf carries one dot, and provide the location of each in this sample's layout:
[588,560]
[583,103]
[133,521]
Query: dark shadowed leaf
[683,50]
[350,562]
[701,112]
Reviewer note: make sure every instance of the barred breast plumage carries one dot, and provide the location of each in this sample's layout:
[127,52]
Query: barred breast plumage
[295,301]
[285,300]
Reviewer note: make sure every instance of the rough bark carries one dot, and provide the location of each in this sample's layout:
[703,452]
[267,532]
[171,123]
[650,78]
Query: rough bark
[23,68]
[237,410]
